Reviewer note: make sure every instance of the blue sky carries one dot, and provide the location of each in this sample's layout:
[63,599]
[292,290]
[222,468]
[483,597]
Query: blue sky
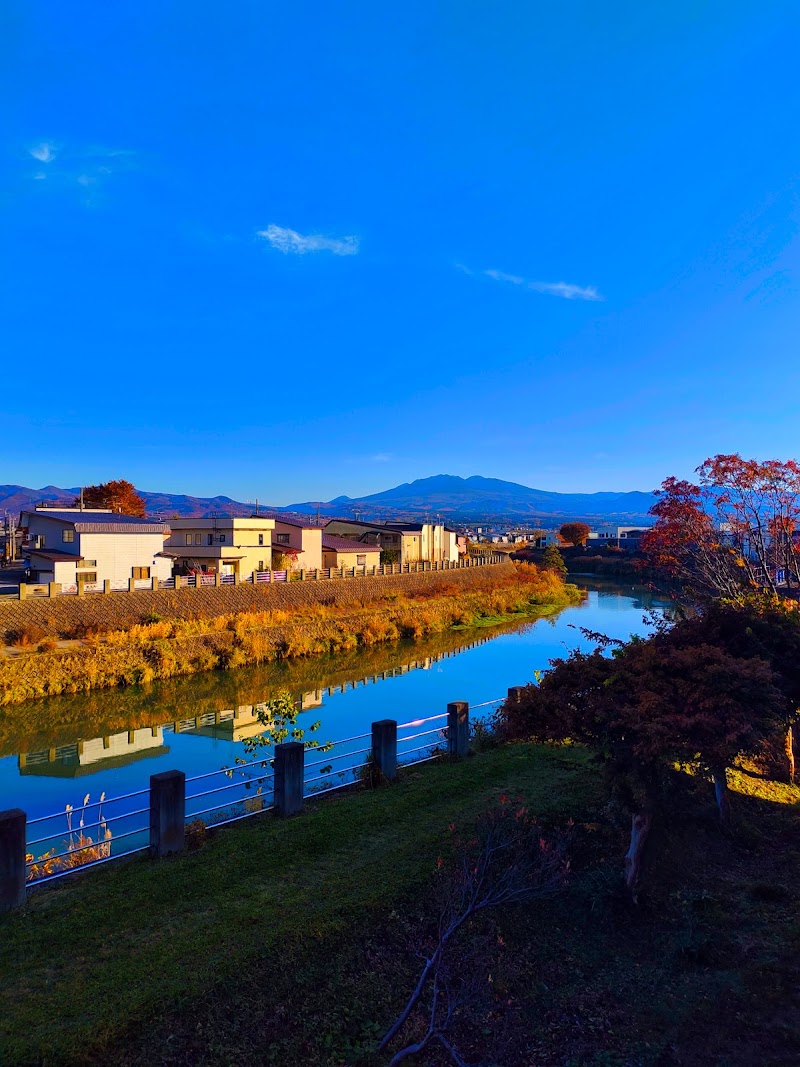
[296,250]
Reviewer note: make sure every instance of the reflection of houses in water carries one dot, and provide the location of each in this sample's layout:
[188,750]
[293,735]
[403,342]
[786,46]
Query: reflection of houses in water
[87,757]
[238,724]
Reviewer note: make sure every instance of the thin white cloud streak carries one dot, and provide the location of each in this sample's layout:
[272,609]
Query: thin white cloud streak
[290,241]
[44,152]
[565,290]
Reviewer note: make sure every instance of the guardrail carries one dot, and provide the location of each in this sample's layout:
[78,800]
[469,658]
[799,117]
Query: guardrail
[77,839]
[29,591]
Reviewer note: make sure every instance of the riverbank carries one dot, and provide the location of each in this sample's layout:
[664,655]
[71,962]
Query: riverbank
[387,610]
[293,942]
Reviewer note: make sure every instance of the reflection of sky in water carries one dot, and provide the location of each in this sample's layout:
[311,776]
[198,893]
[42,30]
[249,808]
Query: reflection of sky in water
[476,674]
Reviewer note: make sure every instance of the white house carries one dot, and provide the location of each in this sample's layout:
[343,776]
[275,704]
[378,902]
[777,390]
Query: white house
[93,545]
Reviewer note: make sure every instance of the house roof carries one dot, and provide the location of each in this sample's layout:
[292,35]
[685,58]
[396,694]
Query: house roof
[292,520]
[342,544]
[55,557]
[103,522]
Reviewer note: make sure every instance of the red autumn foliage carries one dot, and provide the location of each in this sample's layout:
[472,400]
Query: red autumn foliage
[731,533]
[119,495]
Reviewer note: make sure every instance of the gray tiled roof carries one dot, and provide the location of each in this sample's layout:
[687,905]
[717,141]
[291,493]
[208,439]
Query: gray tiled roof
[103,521]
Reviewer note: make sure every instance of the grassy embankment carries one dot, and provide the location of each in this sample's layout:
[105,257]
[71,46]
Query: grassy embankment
[164,648]
[293,942]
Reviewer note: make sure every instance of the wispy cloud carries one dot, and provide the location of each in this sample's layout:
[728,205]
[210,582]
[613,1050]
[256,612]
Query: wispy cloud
[565,290]
[44,152]
[286,241]
[382,457]
[64,166]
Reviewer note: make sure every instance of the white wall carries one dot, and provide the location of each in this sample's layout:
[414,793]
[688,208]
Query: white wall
[118,553]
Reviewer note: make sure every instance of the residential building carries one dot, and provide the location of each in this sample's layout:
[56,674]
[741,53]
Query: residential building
[226,544]
[296,542]
[68,545]
[345,552]
[412,541]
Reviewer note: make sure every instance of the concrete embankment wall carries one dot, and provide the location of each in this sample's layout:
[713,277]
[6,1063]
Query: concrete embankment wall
[63,616]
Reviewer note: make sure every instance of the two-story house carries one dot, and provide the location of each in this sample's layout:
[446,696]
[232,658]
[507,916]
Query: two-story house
[68,545]
[225,544]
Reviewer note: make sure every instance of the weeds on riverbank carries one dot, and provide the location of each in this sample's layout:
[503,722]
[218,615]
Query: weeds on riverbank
[166,648]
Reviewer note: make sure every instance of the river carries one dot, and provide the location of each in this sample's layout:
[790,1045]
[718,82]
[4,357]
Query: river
[57,751]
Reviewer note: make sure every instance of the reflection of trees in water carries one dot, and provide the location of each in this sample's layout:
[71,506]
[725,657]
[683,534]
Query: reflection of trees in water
[80,716]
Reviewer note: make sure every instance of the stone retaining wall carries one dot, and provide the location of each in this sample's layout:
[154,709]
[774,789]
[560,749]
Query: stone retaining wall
[64,616]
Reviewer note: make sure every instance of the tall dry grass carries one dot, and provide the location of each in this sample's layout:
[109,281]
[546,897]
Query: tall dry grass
[167,648]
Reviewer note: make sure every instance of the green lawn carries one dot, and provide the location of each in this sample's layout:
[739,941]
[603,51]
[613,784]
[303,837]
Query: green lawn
[293,942]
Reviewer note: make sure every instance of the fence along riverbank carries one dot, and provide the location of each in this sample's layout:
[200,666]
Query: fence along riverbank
[195,581]
[279,783]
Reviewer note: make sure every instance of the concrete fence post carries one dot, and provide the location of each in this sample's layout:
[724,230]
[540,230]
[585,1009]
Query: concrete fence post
[217,579]
[167,812]
[254,578]
[289,770]
[23,591]
[302,574]
[106,585]
[384,748]
[515,694]
[81,586]
[54,589]
[178,580]
[458,729]
[13,872]
[131,585]
[154,583]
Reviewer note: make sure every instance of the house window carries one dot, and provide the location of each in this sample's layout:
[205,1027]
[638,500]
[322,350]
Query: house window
[198,539]
[261,539]
[67,536]
[88,576]
[282,539]
[140,572]
[189,539]
[221,539]
[361,561]
[211,539]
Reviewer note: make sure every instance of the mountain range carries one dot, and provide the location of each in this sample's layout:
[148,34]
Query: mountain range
[461,500]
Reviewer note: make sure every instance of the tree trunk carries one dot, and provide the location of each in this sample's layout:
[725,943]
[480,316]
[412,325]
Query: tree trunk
[789,748]
[640,830]
[722,795]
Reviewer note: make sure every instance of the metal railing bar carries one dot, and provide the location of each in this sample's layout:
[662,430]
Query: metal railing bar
[423,733]
[415,762]
[90,826]
[410,751]
[332,789]
[220,788]
[85,866]
[344,755]
[108,800]
[225,804]
[238,818]
[419,722]
[324,777]
[227,770]
[486,703]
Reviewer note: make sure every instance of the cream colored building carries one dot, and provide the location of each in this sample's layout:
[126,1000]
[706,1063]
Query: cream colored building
[296,543]
[343,552]
[413,542]
[226,544]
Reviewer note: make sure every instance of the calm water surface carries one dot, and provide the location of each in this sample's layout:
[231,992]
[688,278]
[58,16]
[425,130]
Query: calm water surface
[54,752]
